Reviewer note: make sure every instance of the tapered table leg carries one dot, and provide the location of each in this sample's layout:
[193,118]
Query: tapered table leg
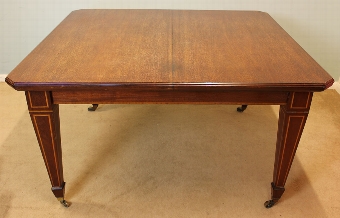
[292,119]
[45,119]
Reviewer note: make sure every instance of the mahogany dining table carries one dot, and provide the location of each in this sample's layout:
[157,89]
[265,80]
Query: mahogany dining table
[116,56]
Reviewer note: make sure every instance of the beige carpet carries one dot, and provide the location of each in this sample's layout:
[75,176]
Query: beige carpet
[169,161]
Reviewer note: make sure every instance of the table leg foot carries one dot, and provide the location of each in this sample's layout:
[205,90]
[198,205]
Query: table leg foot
[242,108]
[59,193]
[64,202]
[276,195]
[93,108]
[269,203]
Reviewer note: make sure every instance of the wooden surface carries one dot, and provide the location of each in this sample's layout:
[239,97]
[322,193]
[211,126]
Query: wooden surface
[164,48]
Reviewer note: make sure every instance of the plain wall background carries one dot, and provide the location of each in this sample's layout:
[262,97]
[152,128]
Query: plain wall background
[314,24]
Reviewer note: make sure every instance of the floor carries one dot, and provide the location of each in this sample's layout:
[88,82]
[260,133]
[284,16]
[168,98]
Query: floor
[169,161]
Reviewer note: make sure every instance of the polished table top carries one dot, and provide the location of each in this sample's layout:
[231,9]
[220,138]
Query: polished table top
[96,49]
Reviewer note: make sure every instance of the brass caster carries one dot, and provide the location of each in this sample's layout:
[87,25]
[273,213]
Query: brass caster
[269,204]
[64,202]
[93,108]
[242,108]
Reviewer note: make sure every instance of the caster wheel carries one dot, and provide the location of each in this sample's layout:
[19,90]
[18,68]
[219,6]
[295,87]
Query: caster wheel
[239,109]
[269,204]
[242,108]
[93,108]
[65,203]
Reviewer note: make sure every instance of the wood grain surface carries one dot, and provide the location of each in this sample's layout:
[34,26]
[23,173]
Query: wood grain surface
[96,49]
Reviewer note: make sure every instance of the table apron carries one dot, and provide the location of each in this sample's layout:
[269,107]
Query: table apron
[169,96]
